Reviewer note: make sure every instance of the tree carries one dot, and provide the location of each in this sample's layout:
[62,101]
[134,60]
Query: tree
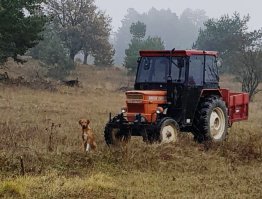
[138,30]
[132,53]
[249,72]
[69,16]
[98,44]
[238,48]
[20,25]
[81,25]
[153,43]
[190,22]
[53,55]
[227,35]
[104,56]
[138,43]
[123,35]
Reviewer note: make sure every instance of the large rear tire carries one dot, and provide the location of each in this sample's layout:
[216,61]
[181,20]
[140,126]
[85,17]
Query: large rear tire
[211,120]
[169,131]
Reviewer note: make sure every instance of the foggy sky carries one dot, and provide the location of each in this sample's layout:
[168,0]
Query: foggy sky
[118,8]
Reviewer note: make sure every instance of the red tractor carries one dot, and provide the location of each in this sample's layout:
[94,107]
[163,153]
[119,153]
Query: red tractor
[177,91]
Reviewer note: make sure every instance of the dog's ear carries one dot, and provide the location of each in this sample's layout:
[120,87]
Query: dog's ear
[88,122]
[80,121]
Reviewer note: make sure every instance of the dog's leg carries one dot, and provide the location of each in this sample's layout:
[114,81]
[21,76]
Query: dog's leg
[87,147]
[84,146]
[94,145]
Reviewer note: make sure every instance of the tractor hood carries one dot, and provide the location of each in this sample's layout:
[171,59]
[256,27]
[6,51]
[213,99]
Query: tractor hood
[144,103]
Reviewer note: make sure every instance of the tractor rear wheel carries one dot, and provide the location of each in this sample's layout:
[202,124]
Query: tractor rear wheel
[169,131]
[113,136]
[211,120]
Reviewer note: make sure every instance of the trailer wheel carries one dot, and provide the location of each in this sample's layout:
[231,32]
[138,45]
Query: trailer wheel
[169,131]
[211,120]
[113,136]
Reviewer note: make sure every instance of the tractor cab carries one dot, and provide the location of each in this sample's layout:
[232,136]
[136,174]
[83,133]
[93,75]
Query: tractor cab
[191,68]
[175,91]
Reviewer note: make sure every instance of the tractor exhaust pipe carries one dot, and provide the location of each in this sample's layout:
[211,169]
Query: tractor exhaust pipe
[110,117]
[170,87]
[170,90]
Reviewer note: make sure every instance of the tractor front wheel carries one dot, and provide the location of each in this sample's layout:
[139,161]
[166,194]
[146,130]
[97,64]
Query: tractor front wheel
[113,136]
[169,131]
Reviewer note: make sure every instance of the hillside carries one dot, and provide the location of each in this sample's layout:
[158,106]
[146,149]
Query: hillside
[42,127]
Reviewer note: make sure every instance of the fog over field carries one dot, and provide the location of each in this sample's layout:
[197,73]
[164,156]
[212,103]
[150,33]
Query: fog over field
[118,8]
[100,109]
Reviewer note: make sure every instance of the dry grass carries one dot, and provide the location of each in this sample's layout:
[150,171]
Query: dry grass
[181,170]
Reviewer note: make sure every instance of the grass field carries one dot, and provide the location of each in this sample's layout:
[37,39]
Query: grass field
[58,168]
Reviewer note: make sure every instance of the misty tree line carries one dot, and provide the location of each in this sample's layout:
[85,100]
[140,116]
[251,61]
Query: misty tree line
[178,32]
[56,31]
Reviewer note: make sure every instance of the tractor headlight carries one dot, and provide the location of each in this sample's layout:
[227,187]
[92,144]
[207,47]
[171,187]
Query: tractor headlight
[159,110]
[123,110]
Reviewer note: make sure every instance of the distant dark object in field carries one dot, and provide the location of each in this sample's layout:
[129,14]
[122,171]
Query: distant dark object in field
[124,88]
[4,76]
[72,83]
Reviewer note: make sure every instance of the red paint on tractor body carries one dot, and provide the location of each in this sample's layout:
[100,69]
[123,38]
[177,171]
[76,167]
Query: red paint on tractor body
[237,104]
[176,53]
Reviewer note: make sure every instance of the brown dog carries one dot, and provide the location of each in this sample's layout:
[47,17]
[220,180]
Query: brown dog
[87,135]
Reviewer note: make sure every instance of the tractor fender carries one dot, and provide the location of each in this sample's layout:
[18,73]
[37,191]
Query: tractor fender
[160,122]
[208,92]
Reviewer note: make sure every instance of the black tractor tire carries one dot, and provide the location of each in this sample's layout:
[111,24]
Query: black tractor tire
[211,120]
[168,131]
[114,137]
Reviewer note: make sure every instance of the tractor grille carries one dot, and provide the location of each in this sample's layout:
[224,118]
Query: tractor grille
[136,108]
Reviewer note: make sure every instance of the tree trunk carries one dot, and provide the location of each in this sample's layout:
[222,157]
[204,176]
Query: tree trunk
[72,56]
[85,57]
